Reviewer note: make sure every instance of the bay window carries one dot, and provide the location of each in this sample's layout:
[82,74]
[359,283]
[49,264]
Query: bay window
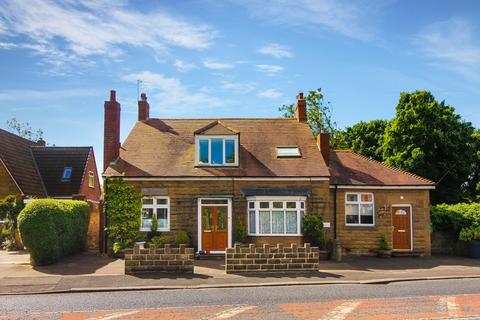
[216,150]
[359,209]
[155,206]
[274,217]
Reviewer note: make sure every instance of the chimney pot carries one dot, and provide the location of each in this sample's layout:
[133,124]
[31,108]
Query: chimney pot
[41,142]
[143,108]
[113,95]
[143,96]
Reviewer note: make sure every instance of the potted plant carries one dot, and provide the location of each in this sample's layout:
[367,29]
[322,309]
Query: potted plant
[153,229]
[384,250]
[472,235]
[312,229]
[140,240]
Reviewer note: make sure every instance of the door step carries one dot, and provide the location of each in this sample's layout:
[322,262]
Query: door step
[407,254]
[216,256]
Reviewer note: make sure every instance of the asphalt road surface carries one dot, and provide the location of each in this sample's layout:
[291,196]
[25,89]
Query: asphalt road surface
[439,299]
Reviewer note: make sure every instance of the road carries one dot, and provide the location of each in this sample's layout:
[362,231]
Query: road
[440,299]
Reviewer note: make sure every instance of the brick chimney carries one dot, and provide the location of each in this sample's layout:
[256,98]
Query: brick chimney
[111,134]
[323,142]
[301,108]
[41,142]
[143,108]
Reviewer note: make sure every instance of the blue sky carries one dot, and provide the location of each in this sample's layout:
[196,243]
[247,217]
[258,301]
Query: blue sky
[58,60]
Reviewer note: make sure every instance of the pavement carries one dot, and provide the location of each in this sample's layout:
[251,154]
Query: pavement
[88,272]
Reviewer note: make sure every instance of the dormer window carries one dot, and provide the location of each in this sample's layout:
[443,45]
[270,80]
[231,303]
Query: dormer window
[288,152]
[216,150]
[67,174]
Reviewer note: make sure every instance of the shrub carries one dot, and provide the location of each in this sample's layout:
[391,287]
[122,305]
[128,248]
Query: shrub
[162,240]
[182,237]
[10,207]
[383,242]
[239,230]
[312,229]
[123,208]
[154,226]
[52,229]
[453,219]
[469,234]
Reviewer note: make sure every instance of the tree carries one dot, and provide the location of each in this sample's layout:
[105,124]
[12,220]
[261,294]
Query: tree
[24,130]
[428,138]
[365,138]
[472,186]
[319,115]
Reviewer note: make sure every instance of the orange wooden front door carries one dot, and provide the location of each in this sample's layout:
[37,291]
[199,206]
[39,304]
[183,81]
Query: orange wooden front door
[214,228]
[401,228]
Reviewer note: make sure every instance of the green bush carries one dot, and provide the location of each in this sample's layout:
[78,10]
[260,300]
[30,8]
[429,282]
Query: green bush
[312,229]
[469,234]
[123,207]
[10,208]
[383,242]
[182,238]
[52,229]
[239,230]
[453,219]
[162,240]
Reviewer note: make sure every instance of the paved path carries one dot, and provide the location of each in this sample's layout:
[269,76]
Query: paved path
[442,299]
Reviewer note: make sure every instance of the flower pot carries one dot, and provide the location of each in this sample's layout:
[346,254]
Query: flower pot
[384,253]
[141,244]
[475,249]
[324,254]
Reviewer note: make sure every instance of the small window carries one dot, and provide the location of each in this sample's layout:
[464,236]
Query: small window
[91,179]
[67,174]
[155,206]
[359,209]
[288,152]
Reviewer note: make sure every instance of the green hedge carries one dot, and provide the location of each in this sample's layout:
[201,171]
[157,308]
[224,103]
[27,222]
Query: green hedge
[52,229]
[453,218]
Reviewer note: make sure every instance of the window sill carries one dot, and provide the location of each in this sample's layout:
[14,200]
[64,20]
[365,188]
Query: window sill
[216,166]
[158,230]
[360,226]
[275,235]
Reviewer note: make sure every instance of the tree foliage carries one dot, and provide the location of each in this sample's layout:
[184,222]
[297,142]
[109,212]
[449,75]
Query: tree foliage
[24,130]
[123,208]
[10,208]
[365,138]
[472,186]
[319,115]
[428,138]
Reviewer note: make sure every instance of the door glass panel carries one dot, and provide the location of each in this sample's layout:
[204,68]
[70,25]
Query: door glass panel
[217,151]
[277,222]
[264,220]
[221,219]
[401,212]
[291,222]
[207,214]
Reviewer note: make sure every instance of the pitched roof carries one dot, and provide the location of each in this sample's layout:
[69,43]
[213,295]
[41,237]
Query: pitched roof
[51,162]
[16,153]
[166,148]
[349,168]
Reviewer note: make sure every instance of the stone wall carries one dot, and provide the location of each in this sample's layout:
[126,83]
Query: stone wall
[445,243]
[269,258]
[153,259]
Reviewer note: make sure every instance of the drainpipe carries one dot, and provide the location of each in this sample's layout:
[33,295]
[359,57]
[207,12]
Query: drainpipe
[335,213]
[105,221]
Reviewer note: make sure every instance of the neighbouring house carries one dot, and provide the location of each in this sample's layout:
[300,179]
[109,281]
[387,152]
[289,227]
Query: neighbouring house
[33,170]
[206,175]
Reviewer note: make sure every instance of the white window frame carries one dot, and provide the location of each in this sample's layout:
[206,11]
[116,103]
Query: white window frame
[359,202]
[91,175]
[65,169]
[156,206]
[296,154]
[271,199]
[209,138]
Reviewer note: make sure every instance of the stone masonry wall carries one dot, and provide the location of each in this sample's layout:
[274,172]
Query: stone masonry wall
[269,258]
[153,259]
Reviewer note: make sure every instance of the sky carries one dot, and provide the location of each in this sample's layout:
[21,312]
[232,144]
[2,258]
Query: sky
[59,60]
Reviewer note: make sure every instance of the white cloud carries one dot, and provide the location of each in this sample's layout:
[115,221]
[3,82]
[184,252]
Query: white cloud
[451,44]
[83,28]
[170,97]
[242,87]
[183,66]
[276,50]
[349,18]
[215,65]
[270,94]
[269,69]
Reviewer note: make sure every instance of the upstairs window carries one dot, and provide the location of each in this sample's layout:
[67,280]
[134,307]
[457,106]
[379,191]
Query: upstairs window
[288,152]
[217,150]
[91,179]
[67,174]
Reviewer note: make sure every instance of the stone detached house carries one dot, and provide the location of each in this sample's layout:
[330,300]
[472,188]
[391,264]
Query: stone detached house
[32,170]
[208,176]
